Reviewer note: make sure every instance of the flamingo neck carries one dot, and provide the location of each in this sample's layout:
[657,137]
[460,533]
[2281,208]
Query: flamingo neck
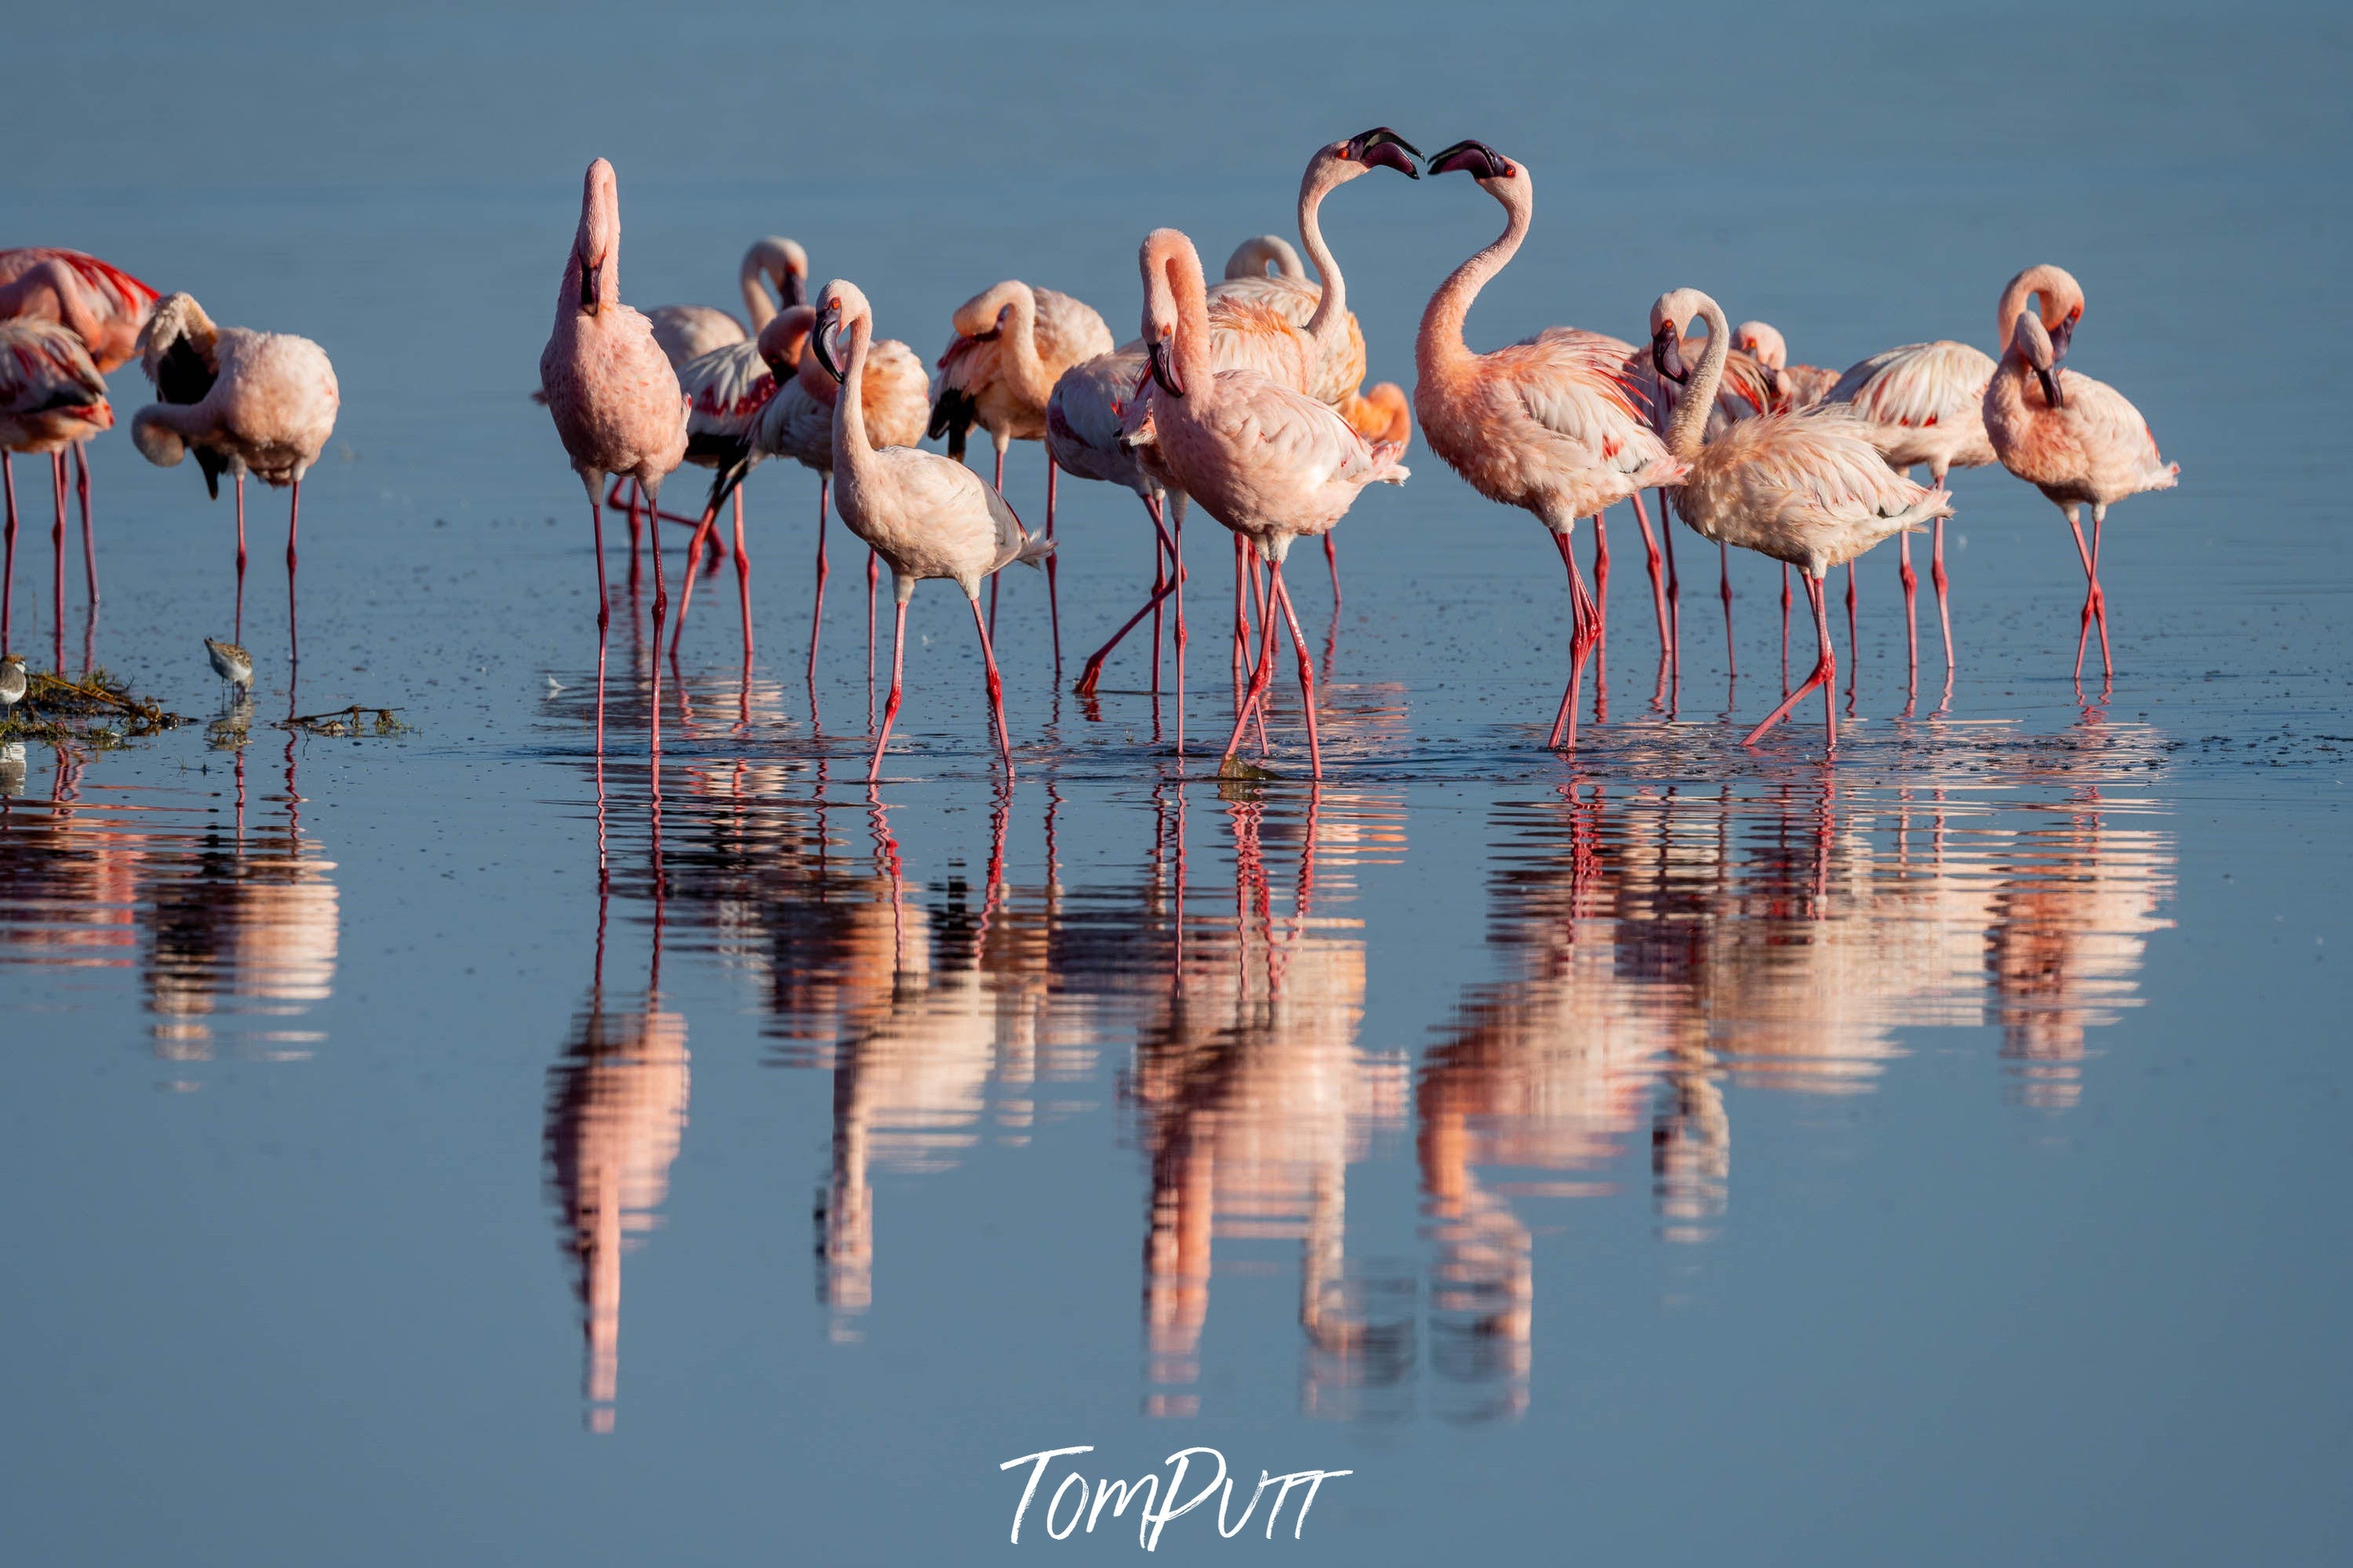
[1439,343]
[752,277]
[1191,349]
[851,454]
[1688,431]
[1020,337]
[1329,325]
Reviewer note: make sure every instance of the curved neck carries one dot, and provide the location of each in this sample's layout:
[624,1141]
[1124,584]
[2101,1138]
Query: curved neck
[1689,430]
[1441,338]
[1329,325]
[1191,294]
[751,277]
[851,451]
[1020,343]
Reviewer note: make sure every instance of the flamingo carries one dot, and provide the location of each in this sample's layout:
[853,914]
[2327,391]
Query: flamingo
[263,403]
[797,422]
[614,396]
[1550,424]
[1924,404]
[1253,256]
[1806,487]
[2073,438]
[1792,386]
[926,515]
[724,389]
[689,332]
[102,304]
[1011,342]
[1265,459]
[52,397]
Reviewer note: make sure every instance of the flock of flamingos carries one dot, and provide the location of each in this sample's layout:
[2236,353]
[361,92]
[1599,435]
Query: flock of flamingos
[1244,396]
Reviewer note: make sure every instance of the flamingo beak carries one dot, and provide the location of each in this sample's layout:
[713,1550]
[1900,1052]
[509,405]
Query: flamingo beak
[1382,148]
[1164,369]
[794,289]
[1482,161]
[820,342]
[1772,381]
[2051,391]
[1667,353]
[2060,337]
[591,278]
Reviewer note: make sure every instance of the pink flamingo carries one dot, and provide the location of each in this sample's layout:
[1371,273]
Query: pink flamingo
[2075,439]
[614,396]
[1549,424]
[102,304]
[52,397]
[1792,386]
[689,332]
[245,402]
[1265,459]
[726,389]
[1012,343]
[927,515]
[1806,487]
[1924,404]
[797,423]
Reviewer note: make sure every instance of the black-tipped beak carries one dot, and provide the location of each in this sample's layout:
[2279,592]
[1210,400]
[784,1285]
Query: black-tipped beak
[828,326]
[794,289]
[2060,335]
[1481,161]
[1382,148]
[1772,381]
[1667,353]
[1164,369]
[2051,392]
[591,278]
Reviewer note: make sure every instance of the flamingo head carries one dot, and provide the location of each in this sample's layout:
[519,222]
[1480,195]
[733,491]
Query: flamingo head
[1762,343]
[782,338]
[841,307]
[1483,163]
[1164,251]
[1670,315]
[600,232]
[784,263]
[1379,148]
[2033,344]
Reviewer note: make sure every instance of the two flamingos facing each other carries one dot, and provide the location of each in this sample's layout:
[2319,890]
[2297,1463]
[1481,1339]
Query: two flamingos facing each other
[614,396]
[925,515]
[243,402]
[2077,441]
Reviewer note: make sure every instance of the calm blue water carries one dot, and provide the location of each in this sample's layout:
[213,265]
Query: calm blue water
[437,1147]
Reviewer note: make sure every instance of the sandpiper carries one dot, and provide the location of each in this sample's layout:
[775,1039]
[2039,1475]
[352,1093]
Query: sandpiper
[12,681]
[232,664]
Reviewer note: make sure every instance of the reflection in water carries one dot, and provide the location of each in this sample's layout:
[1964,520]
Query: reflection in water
[223,918]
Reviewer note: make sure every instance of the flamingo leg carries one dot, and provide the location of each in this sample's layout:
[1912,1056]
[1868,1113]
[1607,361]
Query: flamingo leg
[1731,661]
[1053,566]
[89,538]
[1854,646]
[661,609]
[991,600]
[1910,581]
[1785,628]
[2100,597]
[603,611]
[1176,550]
[1601,617]
[1674,588]
[1331,558]
[1281,595]
[703,532]
[634,541]
[898,663]
[816,615]
[238,633]
[57,556]
[1260,673]
[743,575]
[874,573]
[996,687]
[1944,612]
[1658,581]
[1825,673]
[294,521]
[8,557]
[1162,585]
[1581,637]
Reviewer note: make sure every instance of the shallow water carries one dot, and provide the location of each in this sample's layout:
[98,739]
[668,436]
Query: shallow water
[446,1145]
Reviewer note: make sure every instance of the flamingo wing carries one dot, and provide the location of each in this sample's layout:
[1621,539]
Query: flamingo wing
[896,403]
[725,390]
[45,368]
[2102,420]
[1069,330]
[1573,384]
[1917,385]
[112,293]
[1819,466]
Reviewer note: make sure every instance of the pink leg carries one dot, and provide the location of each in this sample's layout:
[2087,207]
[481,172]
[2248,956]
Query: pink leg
[873,575]
[1260,673]
[1177,549]
[293,520]
[1944,612]
[991,600]
[1825,673]
[1910,581]
[2100,600]
[703,530]
[1674,588]
[634,527]
[1162,585]
[1785,628]
[1582,635]
[1854,648]
[1054,595]
[1159,582]
[603,612]
[816,615]
[58,557]
[8,559]
[1658,581]
[1731,662]
[1601,617]
[89,538]
[1241,625]
[898,663]
[743,575]
[995,689]
[661,607]
[1331,558]
[238,635]
[1281,595]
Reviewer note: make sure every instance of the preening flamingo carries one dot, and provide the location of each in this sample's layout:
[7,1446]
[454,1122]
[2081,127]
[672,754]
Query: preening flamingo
[2075,439]
[1924,404]
[1253,256]
[52,397]
[245,402]
[1265,459]
[1792,386]
[926,515]
[689,332]
[1012,343]
[1550,424]
[797,423]
[100,303]
[1806,487]
[614,396]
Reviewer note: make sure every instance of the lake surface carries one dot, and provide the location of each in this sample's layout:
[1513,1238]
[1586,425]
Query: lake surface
[447,1145]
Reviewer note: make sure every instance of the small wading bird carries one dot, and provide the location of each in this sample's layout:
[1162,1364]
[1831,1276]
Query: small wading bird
[14,679]
[244,402]
[1265,459]
[926,515]
[232,664]
[52,397]
[612,394]
[102,305]
[2075,439]
[1807,487]
[1551,423]
[1012,343]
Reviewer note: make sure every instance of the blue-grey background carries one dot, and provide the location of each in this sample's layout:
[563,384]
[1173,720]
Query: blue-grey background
[300,1296]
